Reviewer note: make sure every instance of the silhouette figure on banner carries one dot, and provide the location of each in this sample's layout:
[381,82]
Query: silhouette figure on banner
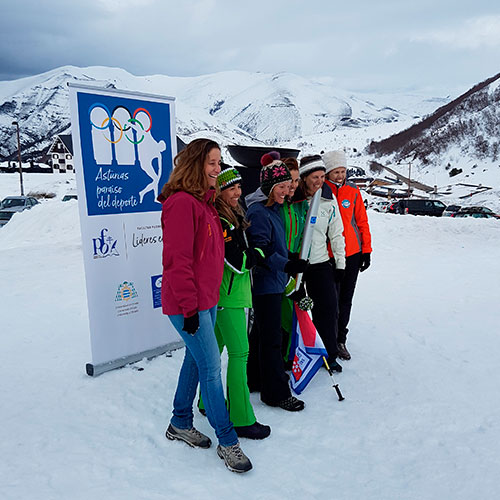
[148,150]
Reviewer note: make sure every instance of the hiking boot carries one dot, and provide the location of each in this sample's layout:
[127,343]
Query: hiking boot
[192,437]
[343,352]
[234,458]
[291,404]
[254,431]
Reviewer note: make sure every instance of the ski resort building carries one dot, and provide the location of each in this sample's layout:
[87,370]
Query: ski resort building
[61,153]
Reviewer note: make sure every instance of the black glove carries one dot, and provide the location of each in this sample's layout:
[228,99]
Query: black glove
[299,294]
[364,262]
[339,275]
[294,267]
[301,299]
[191,324]
[254,258]
[293,255]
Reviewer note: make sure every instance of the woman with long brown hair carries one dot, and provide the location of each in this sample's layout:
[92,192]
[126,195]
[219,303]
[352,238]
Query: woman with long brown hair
[235,297]
[193,262]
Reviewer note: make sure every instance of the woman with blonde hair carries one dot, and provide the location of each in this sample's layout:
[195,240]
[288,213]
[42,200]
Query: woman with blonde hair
[193,262]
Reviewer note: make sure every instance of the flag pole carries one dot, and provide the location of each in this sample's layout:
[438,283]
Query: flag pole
[335,386]
[311,217]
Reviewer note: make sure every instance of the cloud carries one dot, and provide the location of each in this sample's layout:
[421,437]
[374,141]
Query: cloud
[475,33]
[359,44]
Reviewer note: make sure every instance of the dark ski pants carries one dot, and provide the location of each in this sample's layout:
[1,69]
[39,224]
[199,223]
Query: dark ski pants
[321,287]
[346,293]
[265,369]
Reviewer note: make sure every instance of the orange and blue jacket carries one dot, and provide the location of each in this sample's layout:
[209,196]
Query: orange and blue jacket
[356,229]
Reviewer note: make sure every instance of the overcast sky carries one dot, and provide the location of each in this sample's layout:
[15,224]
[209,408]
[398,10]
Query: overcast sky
[381,45]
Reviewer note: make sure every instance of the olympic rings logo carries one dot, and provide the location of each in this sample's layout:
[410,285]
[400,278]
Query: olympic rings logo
[110,122]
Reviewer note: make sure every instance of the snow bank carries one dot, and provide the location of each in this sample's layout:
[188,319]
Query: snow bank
[420,419]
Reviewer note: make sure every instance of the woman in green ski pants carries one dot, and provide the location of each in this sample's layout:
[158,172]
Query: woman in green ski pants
[235,297]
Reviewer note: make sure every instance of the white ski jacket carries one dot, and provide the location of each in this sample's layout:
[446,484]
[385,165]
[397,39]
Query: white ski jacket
[328,228]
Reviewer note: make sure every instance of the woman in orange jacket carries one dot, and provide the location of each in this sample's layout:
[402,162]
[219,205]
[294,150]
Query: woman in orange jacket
[357,238]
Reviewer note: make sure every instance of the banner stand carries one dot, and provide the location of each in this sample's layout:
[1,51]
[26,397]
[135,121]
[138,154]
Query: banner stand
[124,144]
[99,369]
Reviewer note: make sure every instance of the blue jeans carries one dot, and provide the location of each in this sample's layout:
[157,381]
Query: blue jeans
[202,363]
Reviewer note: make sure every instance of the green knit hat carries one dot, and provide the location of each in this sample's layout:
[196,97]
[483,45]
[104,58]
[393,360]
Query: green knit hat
[228,177]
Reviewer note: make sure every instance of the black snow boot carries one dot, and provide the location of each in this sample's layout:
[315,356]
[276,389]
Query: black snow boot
[254,431]
[343,352]
[291,404]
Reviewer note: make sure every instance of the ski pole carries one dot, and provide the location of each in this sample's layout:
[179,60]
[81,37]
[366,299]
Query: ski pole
[335,386]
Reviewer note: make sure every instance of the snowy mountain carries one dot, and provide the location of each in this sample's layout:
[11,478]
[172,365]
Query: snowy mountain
[232,107]
[459,141]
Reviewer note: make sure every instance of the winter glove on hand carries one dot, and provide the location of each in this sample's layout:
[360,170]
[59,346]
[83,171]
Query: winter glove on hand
[339,275]
[364,262]
[299,294]
[331,260]
[293,255]
[294,267]
[191,324]
[303,301]
[255,257]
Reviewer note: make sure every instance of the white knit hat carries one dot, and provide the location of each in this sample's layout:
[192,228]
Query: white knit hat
[334,159]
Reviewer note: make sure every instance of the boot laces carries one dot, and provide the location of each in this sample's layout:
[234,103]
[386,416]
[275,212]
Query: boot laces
[195,432]
[236,450]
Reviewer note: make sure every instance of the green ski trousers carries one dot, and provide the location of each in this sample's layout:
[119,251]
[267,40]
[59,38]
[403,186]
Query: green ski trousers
[231,332]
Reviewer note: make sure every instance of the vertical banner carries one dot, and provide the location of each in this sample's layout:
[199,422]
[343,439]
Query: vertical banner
[124,144]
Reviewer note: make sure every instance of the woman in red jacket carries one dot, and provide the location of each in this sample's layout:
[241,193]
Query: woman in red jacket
[193,262]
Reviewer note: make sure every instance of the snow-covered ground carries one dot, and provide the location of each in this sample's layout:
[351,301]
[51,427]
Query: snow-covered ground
[421,418]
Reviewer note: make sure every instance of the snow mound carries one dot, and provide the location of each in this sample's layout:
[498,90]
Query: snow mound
[53,223]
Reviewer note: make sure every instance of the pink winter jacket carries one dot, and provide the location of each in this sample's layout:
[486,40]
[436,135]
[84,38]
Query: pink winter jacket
[193,254]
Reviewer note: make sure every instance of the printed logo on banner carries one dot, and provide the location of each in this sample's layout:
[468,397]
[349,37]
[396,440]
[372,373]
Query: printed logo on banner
[140,239]
[156,289]
[125,303]
[125,292]
[346,203]
[104,245]
[126,153]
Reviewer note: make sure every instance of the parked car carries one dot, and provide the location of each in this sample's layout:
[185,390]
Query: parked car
[477,212]
[451,210]
[417,207]
[13,204]
[381,206]
[475,215]
[70,196]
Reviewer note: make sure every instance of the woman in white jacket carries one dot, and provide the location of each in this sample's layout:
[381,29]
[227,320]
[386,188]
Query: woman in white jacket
[323,272]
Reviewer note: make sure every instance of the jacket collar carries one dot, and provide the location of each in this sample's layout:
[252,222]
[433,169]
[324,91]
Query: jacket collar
[209,195]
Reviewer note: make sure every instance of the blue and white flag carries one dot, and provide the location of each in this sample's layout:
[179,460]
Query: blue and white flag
[308,349]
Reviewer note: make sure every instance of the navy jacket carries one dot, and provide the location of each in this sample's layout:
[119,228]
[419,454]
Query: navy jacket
[267,232]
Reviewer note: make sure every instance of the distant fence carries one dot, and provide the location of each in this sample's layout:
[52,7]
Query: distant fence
[35,168]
